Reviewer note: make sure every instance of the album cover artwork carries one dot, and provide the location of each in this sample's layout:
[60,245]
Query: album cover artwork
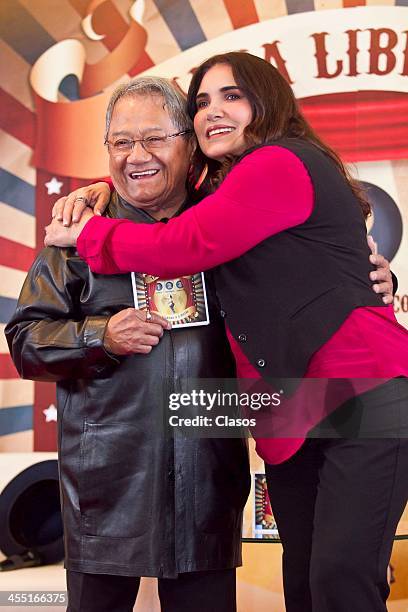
[182,300]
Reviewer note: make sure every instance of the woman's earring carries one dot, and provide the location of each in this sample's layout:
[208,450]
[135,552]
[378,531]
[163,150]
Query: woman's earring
[201,178]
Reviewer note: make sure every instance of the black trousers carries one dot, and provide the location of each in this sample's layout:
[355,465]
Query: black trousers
[337,503]
[209,591]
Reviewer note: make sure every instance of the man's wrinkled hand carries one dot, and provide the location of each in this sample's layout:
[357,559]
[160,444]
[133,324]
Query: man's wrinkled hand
[130,331]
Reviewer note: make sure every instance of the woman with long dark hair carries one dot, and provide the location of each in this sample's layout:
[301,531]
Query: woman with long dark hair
[284,224]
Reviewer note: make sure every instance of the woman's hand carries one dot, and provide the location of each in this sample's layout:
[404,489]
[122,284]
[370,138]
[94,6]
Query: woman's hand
[69,209]
[61,235]
[382,275]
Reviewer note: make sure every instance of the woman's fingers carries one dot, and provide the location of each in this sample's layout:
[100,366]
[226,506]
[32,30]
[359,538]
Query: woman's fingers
[73,203]
[70,208]
[100,204]
[101,197]
[78,208]
[58,207]
[372,244]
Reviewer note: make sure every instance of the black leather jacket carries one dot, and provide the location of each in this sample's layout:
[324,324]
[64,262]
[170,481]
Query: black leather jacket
[134,502]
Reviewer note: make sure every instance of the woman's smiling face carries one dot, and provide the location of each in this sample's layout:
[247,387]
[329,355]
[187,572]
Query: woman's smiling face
[223,113]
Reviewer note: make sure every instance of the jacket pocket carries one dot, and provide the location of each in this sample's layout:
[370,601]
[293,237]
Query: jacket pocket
[114,490]
[222,483]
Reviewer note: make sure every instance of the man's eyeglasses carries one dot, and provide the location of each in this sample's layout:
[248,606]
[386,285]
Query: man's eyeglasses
[123,146]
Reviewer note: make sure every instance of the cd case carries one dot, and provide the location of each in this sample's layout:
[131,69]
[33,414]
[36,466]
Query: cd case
[181,300]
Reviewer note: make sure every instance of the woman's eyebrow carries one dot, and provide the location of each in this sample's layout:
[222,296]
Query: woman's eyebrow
[229,87]
[203,94]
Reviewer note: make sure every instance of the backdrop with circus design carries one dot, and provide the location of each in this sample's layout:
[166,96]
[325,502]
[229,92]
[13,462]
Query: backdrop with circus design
[347,61]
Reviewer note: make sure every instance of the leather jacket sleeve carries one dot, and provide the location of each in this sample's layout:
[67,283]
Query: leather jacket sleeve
[49,337]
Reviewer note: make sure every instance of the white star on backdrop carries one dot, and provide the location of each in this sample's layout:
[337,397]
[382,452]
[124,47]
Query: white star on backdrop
[50,413]
[54,186]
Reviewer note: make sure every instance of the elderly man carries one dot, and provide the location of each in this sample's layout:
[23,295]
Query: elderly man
[135,501]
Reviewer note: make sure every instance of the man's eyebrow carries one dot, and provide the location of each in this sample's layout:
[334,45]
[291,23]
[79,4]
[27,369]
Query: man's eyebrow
[151,128]
[203,94]
[120,133]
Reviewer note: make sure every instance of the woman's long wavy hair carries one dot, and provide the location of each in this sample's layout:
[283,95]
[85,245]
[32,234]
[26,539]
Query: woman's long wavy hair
[275,115]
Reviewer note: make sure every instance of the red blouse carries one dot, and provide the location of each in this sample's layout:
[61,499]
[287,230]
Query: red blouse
[223,226]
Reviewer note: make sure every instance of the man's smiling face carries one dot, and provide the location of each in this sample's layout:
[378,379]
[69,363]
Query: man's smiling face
[153,181]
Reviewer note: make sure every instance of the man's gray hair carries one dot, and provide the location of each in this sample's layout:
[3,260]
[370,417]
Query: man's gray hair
[174,100]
